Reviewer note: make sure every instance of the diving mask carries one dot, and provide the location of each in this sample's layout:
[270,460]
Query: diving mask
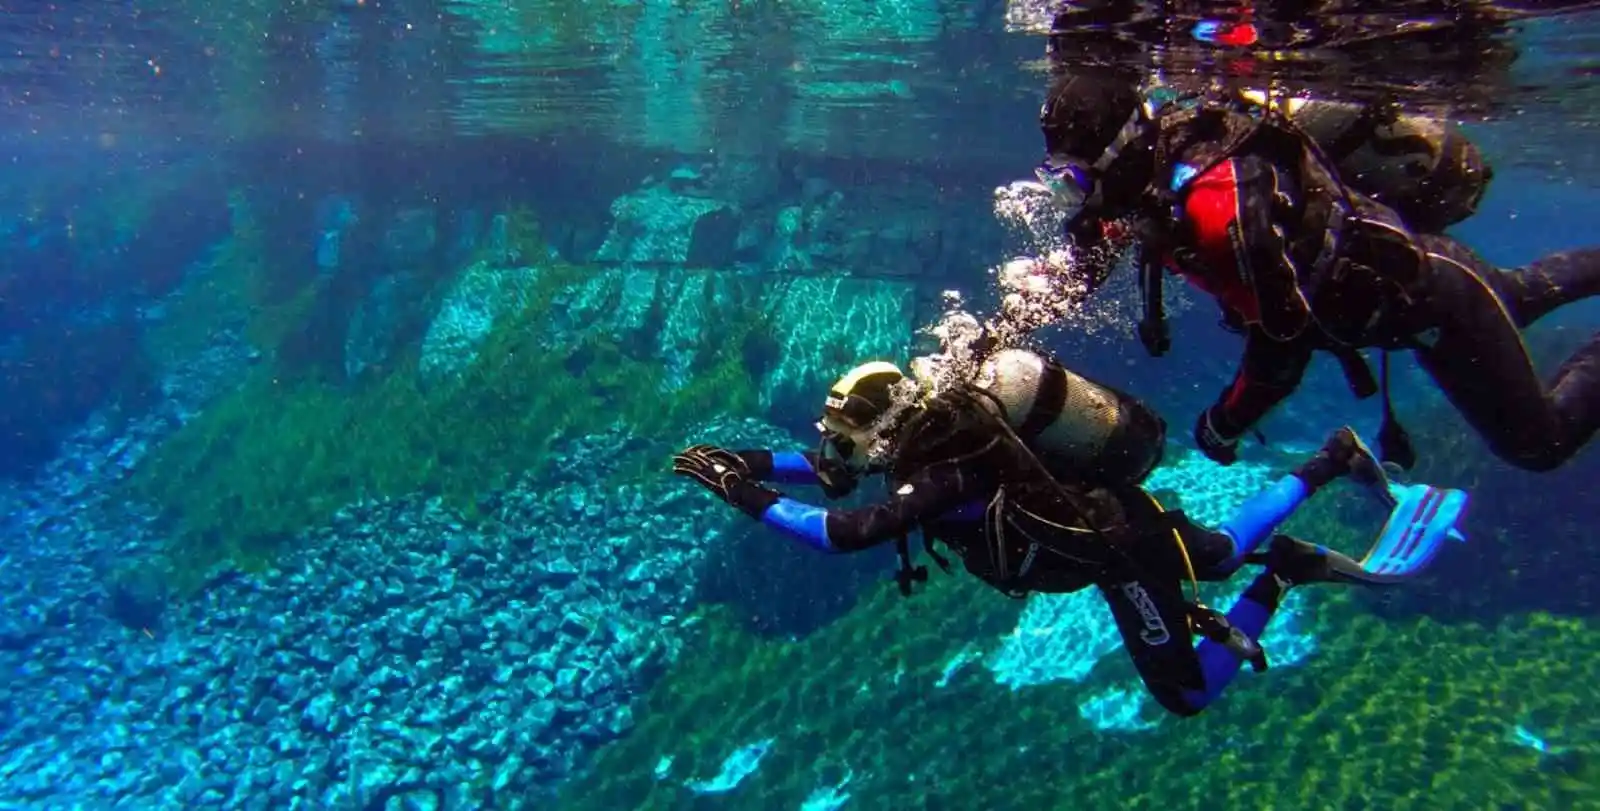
[842,447]
[1071,185]
[837,471]
[844,456]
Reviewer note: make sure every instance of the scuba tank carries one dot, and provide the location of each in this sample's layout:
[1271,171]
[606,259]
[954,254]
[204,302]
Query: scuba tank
[1421,166]
[1081,430]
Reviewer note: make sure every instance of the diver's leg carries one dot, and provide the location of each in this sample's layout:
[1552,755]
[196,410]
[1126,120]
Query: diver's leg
[1253,523]
[1258,516]
[1204,550]
[1153,619]
[1249,616]
[1533,290]
[1196,551]
[1293,559]
[1298,561]
[1478,360]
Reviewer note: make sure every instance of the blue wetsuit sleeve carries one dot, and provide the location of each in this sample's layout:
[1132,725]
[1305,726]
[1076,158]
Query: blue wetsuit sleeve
[793,467]
[796,467]
[803,522]
[924,496]
[783,467]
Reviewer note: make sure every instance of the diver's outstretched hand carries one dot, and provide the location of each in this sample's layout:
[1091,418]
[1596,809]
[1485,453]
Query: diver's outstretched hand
[726,475]
[716,469]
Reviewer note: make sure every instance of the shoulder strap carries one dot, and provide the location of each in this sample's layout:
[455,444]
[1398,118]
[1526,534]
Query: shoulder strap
[1164,193]
[1394,443]
[1154,333]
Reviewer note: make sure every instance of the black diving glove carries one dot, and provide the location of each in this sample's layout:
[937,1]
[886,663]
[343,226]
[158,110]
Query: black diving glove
[727,477]
[1216,437]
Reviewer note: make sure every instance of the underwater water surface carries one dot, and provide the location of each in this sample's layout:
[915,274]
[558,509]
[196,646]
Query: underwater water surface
[345,346]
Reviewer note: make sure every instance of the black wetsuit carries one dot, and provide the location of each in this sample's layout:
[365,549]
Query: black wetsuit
[1466,329]
[1243,230]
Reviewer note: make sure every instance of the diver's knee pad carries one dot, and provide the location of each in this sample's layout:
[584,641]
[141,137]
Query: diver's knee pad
[1079,428]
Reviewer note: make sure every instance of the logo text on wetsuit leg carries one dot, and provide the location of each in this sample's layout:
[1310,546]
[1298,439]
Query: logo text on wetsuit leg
[1155,630]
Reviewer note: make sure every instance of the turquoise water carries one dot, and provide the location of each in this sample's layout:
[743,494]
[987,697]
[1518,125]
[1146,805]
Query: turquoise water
[344,348]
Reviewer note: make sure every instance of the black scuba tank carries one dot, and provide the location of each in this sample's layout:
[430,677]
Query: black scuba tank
[1081,430]
[1422,166]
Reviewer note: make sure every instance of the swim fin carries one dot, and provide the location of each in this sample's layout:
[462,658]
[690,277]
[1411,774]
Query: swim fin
[1421,520]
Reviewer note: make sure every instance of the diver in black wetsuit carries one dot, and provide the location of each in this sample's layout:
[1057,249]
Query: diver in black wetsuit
[1249,209]
[1032,478]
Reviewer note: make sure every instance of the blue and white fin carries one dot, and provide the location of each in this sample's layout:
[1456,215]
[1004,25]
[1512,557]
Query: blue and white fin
[1422,519]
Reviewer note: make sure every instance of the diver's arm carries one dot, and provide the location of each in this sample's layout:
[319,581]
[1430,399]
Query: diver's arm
[783,467]
[1096,244]
[924,496]
[1269,372]
[799,467]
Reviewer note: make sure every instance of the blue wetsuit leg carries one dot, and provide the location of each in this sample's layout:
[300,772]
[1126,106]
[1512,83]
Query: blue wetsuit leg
[1250,616]
[1254,521]
[1249,527]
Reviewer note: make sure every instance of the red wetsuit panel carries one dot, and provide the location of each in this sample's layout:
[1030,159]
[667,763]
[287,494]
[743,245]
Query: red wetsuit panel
[1211,212]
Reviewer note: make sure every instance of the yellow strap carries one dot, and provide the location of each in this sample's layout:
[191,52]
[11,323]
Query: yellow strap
[1188,565]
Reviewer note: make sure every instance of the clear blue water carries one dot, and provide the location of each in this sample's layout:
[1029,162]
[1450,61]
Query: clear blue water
[344,345]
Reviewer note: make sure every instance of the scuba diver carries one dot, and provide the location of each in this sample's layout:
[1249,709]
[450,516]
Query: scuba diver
[1379,88]
[1249,208]
[1031,475]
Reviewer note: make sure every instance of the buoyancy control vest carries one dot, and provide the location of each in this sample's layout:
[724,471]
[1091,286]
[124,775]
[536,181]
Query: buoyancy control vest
[1063,452]
[1353,256]
[1424,167]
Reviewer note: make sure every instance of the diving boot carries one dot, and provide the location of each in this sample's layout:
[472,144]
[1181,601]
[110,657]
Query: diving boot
[1296,562]
[1345,454]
